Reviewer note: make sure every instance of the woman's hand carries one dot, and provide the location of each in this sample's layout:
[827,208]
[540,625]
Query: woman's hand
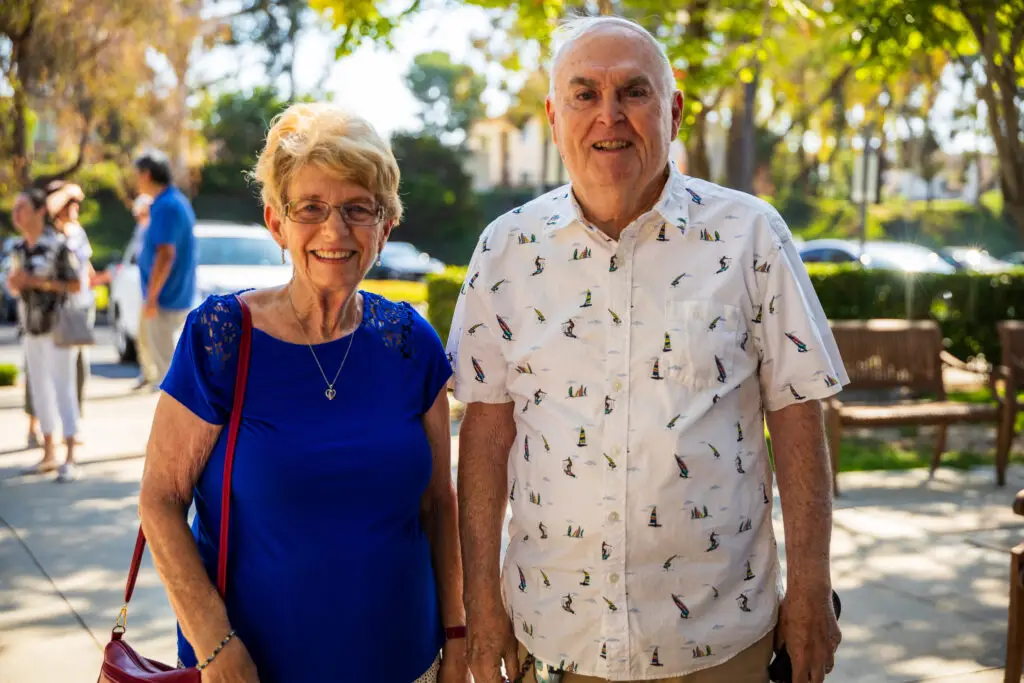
[232,665]
[454,663]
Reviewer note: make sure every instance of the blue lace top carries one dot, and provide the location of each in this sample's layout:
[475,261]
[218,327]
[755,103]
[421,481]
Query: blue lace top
[330,575]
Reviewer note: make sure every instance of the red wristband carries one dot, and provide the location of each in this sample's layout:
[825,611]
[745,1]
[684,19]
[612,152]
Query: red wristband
[455,632]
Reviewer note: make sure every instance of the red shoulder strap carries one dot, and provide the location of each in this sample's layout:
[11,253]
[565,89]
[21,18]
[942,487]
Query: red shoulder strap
[242,375]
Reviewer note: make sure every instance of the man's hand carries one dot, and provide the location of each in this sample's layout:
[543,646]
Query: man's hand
[491,642]
[150,310]
[454,663]
[809,630]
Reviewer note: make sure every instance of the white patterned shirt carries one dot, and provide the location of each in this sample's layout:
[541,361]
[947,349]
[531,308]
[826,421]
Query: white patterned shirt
[640,368]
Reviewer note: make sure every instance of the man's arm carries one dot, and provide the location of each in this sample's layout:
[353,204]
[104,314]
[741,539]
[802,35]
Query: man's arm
[162,262]
[804,474]
[485,439]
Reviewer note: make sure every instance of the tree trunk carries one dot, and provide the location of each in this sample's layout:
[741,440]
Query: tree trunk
[20,57]
[743,139]
[697,163]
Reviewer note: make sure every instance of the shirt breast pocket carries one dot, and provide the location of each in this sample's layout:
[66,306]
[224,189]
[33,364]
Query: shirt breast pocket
[702,342]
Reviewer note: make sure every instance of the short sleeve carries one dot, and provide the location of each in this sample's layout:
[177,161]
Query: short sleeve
[436,369]
[202,372]
[799,357]
[161,224]
[473,347]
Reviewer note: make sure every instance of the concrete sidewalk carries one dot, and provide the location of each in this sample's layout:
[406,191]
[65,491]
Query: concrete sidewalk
[921,566]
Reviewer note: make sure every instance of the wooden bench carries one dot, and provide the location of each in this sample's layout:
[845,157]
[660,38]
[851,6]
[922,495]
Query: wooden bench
[906,357]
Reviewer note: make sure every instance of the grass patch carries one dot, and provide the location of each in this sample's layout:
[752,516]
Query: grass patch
[983,395]
[414,293]
[8,374]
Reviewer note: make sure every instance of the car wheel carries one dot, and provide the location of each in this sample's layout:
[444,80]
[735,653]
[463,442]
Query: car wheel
[124,344]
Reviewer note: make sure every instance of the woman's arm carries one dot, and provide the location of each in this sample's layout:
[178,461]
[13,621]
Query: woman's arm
[178,449]
[440,514]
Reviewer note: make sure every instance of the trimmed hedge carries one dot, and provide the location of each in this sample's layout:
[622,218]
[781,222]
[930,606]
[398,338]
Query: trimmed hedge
[966,305]
[8,375]
[442,295]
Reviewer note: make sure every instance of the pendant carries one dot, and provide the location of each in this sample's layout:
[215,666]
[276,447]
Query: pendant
[330,393]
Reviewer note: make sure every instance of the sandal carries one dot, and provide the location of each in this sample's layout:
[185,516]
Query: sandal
[43,467]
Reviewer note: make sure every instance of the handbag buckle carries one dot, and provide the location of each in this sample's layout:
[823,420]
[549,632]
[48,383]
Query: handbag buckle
[121,625]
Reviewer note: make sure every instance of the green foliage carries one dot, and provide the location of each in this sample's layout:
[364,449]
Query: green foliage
[442,295]
[415,293]
[966,305]
[449,93]
[8,375]
[440,210]
[237,124]
[356,22]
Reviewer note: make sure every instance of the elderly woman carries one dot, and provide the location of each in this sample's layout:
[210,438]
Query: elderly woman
[45,273]
[344,561]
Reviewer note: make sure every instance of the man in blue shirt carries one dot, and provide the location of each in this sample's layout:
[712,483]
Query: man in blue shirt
[167,262]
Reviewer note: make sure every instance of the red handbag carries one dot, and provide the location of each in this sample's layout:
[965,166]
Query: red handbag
[121,663]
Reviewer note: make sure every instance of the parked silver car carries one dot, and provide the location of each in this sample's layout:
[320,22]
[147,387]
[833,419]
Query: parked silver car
[883,255]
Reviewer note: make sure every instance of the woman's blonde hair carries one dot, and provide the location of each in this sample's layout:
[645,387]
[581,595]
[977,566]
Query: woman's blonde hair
[325,135]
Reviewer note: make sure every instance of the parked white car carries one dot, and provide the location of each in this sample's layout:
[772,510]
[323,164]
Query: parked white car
[231,257]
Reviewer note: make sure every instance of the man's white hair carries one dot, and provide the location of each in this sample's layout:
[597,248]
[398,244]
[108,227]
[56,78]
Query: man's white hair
[570,30]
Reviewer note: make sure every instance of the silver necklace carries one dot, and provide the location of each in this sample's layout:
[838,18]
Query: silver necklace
[330,393]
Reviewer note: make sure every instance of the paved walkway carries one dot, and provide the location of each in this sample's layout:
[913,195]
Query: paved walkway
[921,566]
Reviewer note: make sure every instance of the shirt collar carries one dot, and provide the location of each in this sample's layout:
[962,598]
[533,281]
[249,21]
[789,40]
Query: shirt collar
[673,205]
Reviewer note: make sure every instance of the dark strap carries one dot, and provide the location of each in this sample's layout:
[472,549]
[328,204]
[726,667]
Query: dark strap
[244,349]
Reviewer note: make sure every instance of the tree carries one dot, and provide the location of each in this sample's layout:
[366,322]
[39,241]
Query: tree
[358,21]
[83,65]
[449,93]
[985,38]
[237,124]
[441,215]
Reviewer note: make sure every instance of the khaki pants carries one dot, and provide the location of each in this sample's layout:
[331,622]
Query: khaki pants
[142,354]
[159,336]
[749,666]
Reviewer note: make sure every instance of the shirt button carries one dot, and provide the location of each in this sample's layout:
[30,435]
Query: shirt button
[614,517]
[614,578]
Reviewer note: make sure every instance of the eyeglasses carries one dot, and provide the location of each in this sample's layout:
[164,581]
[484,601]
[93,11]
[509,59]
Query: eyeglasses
[316,211]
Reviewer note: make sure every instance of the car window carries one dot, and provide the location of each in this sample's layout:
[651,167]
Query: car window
[813,256]
[238,251]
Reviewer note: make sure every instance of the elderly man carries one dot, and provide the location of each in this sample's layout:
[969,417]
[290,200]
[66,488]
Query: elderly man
[619,342]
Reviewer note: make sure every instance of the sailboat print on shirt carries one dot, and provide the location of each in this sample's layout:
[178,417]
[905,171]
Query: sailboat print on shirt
[479,371]
[721,370]
[684,611]
[526,449]
[795,393]
[544,577]
[586,578]
[540,316]
[668,563]
[524,369]
[611,463]
[472,330]
[706,236]
[668,344]
[582,441]
[611,605]
[764,493]
[757,318]
[577,393]
[574,533]
[800,346]
[745,525]
[700,652]
[656,371]
[675,282]
[830,381]
[522,579]
[750,574]
[534,498]
[578,255]
[684,472]
[771,305]
[587,300]
[654,659]
[714,451]
[497,285]
[739,432]
[615,318]
[764,267]
[672,423]
[506,331]
[472,280]
[739,465]
[545,440]
[604,651]
[653,522]
[699,512]
[695,197]
[528,629]
[523,239]
[661,234]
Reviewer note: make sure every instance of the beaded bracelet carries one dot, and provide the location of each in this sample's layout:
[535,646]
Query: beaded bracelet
[216,651]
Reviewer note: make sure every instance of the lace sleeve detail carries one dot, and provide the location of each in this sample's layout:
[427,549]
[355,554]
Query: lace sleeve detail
[220,324]
[393,322]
